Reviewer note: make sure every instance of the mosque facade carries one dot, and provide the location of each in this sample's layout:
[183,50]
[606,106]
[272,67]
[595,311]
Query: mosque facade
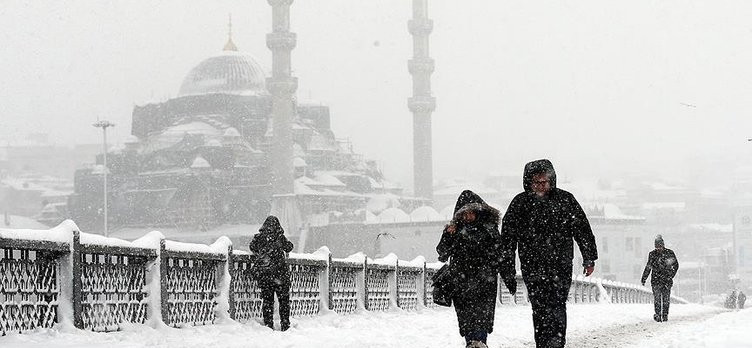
[205,158]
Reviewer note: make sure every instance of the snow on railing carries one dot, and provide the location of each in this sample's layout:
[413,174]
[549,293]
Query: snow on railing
[62,277]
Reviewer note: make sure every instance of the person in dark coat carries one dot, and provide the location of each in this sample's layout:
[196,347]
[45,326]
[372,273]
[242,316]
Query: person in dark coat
[472,240]
[540,224]
[663,264]
[731,300]
[740,299]
[272,273]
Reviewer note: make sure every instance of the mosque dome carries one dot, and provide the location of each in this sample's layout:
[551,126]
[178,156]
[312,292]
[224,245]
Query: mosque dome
[230,72]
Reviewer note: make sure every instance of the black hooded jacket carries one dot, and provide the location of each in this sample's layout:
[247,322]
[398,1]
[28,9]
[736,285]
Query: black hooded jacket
[476,244]
[543,229]
[474,264]
[271,245]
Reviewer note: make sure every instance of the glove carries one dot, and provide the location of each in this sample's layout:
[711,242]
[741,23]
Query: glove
[511,284]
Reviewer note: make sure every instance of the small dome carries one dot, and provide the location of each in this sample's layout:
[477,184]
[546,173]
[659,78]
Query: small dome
[200,162]
[230,73]
[231,132]
[425,213]
[299,162]
[393,215]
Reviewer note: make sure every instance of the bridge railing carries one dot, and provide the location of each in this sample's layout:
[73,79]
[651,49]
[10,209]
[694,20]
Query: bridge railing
[64,277]
[589,290]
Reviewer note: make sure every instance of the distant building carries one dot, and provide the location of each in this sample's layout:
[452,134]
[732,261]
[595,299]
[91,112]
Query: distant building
[203,159]
[622,240]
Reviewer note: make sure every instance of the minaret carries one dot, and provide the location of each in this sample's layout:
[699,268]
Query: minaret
[230,46]
[422,104]
[282,87]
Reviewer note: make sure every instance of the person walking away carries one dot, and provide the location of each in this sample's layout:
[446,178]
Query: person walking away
[731,300]
[541,224]
[271,271]
[470,242]
[663,264]
[740,299]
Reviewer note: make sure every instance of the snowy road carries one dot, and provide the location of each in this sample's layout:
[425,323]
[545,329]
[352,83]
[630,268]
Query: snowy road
[598,325]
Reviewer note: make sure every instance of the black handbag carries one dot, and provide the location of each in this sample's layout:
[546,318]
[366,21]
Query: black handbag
[443,286]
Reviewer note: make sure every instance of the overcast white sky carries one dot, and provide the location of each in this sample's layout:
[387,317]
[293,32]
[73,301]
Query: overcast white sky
[597,86]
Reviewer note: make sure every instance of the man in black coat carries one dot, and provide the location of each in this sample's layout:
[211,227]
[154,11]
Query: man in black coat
[271,271]
[663,264]
[541,224]
[472,241]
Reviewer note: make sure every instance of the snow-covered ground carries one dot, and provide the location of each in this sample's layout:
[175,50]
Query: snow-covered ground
[598,325]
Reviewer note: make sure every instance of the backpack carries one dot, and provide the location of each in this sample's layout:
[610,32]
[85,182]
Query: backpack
[263,265]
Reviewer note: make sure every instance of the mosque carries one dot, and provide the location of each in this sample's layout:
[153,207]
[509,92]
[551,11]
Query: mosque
[203,158]
[235,145]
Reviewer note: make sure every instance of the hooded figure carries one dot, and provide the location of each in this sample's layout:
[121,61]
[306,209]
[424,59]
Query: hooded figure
[740,299]
[663,264]
[542,224]
[472,240]
[270,247]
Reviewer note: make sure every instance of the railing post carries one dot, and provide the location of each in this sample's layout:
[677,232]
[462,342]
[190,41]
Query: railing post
[78,321]
[329,281]
[394,287]
[365,283]
[163,282]
[325,291]
[230,271]
[360,284]
[422,286]
[597,292]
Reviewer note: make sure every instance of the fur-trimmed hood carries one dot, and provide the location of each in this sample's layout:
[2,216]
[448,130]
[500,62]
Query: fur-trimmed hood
[470,201]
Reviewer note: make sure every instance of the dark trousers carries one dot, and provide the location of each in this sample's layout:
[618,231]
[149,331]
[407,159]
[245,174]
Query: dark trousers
[282,290]
[661,301]
[548,299]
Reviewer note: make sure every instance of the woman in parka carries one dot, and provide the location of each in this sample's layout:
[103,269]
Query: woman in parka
[271,271]
[470,242]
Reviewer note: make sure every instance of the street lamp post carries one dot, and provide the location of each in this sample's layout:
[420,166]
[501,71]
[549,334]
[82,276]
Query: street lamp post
[104,124]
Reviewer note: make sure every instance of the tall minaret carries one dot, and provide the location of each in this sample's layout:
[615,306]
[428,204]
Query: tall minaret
[282,87]
[422,104]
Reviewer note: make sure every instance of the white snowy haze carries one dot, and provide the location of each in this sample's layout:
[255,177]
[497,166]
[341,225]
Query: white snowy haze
[597,86]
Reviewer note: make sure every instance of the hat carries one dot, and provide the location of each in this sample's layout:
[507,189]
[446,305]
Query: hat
[659,241]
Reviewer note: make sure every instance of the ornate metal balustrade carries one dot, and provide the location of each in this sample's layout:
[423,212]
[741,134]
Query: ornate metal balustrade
[343,286]
[244,291]
[305,286]
[378,293]
[29,284]
[428,287]
[189,287]
[113,286]
[409,287]
[106,285]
